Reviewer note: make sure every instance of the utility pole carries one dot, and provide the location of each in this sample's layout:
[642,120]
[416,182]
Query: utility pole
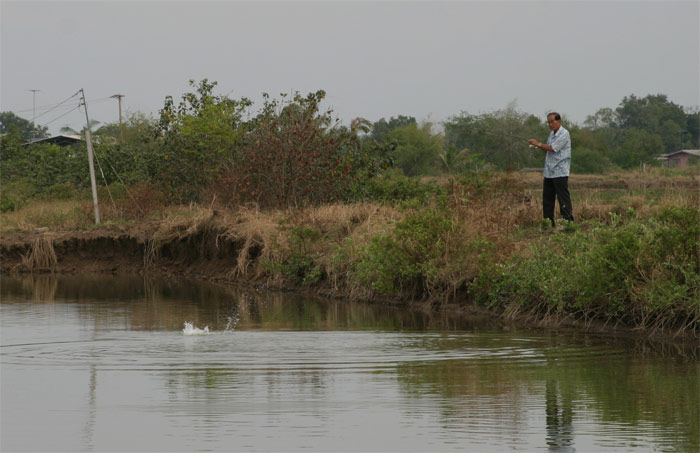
[33,112]
[88,138]
[121,134]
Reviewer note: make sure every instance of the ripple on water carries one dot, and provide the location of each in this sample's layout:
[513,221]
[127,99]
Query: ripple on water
[273,352]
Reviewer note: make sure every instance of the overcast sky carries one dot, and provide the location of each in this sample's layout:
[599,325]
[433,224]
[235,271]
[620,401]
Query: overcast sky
[374,59]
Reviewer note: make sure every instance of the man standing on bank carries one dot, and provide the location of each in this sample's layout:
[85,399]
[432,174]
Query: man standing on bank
[556,169]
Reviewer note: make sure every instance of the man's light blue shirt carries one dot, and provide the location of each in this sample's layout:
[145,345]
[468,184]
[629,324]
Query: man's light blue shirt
[557,163]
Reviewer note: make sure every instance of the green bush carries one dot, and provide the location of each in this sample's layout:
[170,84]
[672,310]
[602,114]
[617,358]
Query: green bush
[61,191]
[643,272]
[200,137]
[9,202]
[15,194]
[45,165]
[300,266]
[590,161]
[394,187]
[404,259]
[417,149]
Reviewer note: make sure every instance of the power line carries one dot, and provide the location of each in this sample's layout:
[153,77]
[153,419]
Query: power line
[61,116]
[56,106]
[60,106]
[42,107]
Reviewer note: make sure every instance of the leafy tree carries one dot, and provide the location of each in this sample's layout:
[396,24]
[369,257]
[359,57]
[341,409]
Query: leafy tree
[654,114]
[692,139]
[43,164]
[200,137]
[452,160]
[38,165]
[671,134]
[499,136]
[583,137]
[293,154]
[22,128]
[137,156]
[605,117]
[637,146]
[648,112]
[382,127]
[589,160]
[416,148]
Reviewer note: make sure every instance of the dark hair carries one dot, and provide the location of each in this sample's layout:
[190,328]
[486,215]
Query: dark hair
[556,116]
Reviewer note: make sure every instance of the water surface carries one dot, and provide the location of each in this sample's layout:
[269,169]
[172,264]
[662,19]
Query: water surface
[107,363]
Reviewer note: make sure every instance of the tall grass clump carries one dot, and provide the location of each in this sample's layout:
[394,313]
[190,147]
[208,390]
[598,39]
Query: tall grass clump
[427,254]
[637,272]
[394,188]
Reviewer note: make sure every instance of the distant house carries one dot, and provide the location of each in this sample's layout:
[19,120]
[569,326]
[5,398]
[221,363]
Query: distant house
[60,140]
[681,158]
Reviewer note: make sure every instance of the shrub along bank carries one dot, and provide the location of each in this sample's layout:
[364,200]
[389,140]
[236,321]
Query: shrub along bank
[640,272]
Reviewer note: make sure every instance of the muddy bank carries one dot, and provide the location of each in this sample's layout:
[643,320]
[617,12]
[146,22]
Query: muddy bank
[102,250]
[208,254]
[117,250]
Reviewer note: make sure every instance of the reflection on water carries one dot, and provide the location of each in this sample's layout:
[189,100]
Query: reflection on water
[560,435]
[148,304]
[107,364]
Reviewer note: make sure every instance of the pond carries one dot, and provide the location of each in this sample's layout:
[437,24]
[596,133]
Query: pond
[94,363]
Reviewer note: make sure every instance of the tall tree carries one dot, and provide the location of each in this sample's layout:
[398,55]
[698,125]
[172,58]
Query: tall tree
[201,135]
[24,129]
[499,136]
[416,148]
[654,114]
[692,138]
[382,127]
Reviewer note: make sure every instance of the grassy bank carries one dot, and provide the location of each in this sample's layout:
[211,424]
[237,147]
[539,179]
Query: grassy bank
[631,258]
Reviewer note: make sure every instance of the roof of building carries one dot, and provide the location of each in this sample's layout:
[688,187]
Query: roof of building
[60,140]
[692,152]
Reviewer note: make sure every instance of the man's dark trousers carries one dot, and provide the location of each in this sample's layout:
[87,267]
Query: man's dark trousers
[559,188]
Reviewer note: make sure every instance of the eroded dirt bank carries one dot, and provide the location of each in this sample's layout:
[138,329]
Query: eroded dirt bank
[208,254]
[118,250]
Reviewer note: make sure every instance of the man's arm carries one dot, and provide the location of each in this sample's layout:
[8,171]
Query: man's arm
[542,146]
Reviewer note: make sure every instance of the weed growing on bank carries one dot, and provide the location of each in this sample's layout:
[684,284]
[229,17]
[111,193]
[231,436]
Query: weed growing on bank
[641,272]
[428,254]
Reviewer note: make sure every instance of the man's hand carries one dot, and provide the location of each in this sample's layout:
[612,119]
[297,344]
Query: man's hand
[534,142]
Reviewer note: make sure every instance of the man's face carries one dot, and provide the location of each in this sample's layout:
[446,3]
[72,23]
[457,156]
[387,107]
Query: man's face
[553,124]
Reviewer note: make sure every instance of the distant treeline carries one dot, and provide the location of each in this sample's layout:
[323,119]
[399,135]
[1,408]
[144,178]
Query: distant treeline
[291,152]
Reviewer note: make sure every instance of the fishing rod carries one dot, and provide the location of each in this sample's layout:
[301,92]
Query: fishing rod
[503,134]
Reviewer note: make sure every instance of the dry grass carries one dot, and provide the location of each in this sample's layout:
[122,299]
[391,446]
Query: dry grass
[56,214]
[265,236]
[351,227]
[260,236]
[650,178]
[41,255]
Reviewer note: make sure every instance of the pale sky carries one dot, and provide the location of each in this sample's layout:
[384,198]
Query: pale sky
[374,59]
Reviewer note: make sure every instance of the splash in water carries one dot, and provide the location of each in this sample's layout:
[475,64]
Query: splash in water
[232,322]
[190,329]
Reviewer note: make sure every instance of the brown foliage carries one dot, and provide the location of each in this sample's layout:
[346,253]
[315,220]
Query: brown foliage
[141,200]
[291,157]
